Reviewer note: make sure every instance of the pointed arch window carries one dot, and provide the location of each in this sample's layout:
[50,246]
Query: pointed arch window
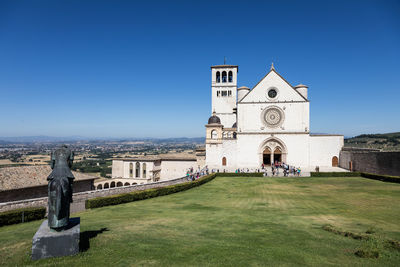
[230,77]
[224,76]
[218,77]
[130,170]
[137,173]
[223,161]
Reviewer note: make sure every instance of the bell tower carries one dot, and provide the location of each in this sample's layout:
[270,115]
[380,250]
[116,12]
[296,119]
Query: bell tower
[224,93]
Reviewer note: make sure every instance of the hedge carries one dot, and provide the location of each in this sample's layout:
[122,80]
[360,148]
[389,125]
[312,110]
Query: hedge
[335,174]
[145,194]
[384,178]
[22,215]
[239,174]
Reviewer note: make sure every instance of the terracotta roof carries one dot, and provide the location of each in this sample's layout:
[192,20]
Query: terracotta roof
[29,176]
[159,157]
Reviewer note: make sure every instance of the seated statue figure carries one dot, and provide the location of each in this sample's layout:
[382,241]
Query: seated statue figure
[60,188]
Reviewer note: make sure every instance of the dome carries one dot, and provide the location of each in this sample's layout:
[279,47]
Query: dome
[234,125]
[214,119]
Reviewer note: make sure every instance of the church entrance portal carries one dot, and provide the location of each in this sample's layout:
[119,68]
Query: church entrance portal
[273,151]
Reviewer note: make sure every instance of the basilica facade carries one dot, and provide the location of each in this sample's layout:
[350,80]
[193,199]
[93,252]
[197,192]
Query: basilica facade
[263,125]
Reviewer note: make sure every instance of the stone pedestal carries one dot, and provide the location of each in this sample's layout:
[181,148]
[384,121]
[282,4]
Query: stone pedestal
[48,243]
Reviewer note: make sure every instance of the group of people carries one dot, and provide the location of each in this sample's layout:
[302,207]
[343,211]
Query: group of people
[286,169]
[193,174]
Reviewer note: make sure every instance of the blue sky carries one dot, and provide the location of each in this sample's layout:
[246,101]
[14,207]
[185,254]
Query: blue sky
[142,68]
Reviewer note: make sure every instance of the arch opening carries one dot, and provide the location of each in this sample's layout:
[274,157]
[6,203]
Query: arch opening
[112,184]
[218,77]
[131,170]
[144,170]
[335,161]
[119,184]
[224,161]
[271,151]
[137,173]
[126,184]
[224,76]
[106,185]
[99,187]
[230,76]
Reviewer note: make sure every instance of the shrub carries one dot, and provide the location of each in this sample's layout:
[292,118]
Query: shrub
[335,174]
[240,174]
[384,178]
[145,194]
[22,215]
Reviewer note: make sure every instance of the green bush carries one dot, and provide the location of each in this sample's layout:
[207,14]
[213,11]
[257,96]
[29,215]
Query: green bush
[145,194]
[240,174]
[335,174]
[22,215]
[384,178]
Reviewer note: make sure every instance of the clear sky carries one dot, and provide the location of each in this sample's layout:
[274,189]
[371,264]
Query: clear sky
[142,68]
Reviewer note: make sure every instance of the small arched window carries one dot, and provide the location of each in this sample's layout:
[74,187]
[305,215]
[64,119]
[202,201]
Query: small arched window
[223,161]
[144,170]
[230,77]
[137,173]
[214,134]
[234,135]
[224,76]
[218,77]
[130,170]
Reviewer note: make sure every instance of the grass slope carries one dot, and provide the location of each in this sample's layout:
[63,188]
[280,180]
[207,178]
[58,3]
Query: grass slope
[232,222]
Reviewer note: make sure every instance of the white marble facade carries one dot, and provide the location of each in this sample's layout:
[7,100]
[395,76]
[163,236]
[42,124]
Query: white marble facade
[268,123]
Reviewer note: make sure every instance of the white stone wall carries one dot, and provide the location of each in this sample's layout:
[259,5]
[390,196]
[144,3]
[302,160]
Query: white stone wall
[323,148]
[272,80]
[251,146]
[171,169]
[117,168]
[296,117]
[215,153]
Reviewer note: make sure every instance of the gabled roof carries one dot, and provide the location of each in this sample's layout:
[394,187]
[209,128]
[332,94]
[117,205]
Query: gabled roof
[273,70]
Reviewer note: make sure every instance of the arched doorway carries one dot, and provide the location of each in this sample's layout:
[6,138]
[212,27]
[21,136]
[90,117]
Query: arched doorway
[106,186]
[277,155]
[112,184]
[223,161]
[272,150]
[99,187]
[335,161]
[267,156]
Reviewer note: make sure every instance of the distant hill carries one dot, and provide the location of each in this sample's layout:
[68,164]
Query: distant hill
[385,142]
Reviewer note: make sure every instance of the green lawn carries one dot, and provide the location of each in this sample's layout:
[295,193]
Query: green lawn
[234,222]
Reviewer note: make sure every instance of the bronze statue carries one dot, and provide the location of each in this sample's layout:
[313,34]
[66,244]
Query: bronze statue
[60,188]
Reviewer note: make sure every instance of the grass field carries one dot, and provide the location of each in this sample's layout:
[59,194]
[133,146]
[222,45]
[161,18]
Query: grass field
[234,222]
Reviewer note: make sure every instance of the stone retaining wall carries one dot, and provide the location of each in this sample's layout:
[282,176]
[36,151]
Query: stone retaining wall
[385,163]
[80,198]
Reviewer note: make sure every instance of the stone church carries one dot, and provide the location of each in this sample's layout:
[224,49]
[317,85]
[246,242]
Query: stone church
[266,124]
